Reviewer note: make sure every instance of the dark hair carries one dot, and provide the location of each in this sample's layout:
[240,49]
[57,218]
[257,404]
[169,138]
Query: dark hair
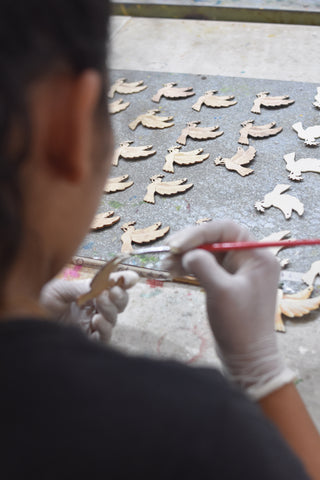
[36,36]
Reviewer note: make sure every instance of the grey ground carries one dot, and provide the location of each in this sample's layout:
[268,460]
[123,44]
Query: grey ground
[170,320]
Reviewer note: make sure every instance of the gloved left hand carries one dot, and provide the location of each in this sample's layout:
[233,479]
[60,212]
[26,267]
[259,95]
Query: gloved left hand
[99,316]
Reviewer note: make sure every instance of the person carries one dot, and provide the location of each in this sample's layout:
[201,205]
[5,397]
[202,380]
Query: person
[72,407]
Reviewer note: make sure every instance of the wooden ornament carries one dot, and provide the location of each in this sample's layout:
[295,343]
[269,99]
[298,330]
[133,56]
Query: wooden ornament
[151,120]
[198,133]
[183,158]
[203,220]
[131,153]
[296,168]
[309,135]
[274,237]
[124,88]
[143,235]
[170,90]
[242,157]
[102,282]
[258,131]
[263,100]
[104,220]
[316,102]
[117,106]
[294,305]
[285,203]
[117,184]
[210,99]
[165,188]
[312,273]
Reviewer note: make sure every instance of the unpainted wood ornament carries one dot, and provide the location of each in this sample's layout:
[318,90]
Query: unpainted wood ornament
[151,120]
[104,220]
[117,184]
[170,91]
[275,237]
[210,99]
[165,188]
[294,305]
[263,100]
[286,203]
[143,235]
[309,135]
[198,133]
[296,168]
[203,220]
[117,106]
[312,273]
[131,153]
[124,88]
[242,157]
[316,102]
[257,131]
[183,158]
[102,281]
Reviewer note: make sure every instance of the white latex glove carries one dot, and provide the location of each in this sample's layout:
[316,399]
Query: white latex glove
[241,288]
[99,317]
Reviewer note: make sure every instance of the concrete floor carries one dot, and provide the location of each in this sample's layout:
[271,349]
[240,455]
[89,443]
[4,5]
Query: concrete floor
[155,322]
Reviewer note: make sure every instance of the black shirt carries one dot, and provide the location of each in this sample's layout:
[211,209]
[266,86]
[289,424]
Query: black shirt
[74,409]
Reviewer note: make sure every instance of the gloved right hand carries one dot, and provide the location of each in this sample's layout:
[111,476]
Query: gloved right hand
[241,288]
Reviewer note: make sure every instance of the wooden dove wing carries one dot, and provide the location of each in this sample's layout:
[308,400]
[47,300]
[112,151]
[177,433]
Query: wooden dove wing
[311,274]
[171,188]
[133,87]
[117,184]
[297,308]
[149,234]
[204,133]
[275,237]
[189,158]
[243,157]
[130,153]
[118,106]
[302,295]
[103,220]
[279,101]
[262,131]
[216,101]
[151,121]
[178,92]
[280,188]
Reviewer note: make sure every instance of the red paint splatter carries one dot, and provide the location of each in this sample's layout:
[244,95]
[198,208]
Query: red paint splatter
[154,283]
[74,272]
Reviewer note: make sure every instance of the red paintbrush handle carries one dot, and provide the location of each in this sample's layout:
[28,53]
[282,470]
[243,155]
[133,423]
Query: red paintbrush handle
[225,246]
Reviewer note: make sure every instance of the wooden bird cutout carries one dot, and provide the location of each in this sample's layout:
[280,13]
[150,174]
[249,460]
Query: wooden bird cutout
[170,90]
[103,220]
[183,158]
[316,102]
[117,184]
[303,165]
[311,274]
[294,305]
[275,237]
[117,106]
[258,131]
[242,157]
[151,120]
[210,99]
[124,88]
[285,203]
[165,188]
[131,153]
[198,133]
[309,135]
[263,100]
[143,235]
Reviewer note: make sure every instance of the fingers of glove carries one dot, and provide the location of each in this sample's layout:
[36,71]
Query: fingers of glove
[58,294]
[217,231]
[129,278]
[119,298]
[106,307]
[102,327]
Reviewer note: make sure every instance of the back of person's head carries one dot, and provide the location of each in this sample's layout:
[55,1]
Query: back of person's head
[38,38]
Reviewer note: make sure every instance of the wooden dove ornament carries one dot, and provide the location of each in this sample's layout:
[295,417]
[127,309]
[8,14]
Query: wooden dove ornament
[170,91]
[143,235]
[296,168]
[210,99]
[242,157]
[257,131]
[165,188]
[309,135]
[263,100]
[151,120]
[104,220]
[131,153]
[117,184]
[117,106]
[286,203]
[124,88]
[183,158]
[294,305]
[195,132]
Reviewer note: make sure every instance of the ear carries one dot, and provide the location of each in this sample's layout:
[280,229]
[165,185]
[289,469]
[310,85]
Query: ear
[71,132]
